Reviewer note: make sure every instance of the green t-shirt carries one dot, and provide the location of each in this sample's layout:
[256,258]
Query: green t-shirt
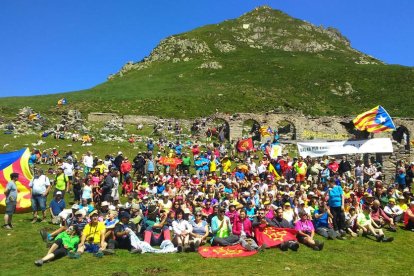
[61,182]
[70,242]
[186,161]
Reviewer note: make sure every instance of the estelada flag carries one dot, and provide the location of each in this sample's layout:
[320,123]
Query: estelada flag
[230,251]
[16,162]
[273,236]
[374,120]
[245,144]
[266,131]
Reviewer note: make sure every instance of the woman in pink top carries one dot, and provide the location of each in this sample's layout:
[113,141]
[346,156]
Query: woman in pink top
[306,232]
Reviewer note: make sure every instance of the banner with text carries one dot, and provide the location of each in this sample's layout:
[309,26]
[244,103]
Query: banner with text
[317,149]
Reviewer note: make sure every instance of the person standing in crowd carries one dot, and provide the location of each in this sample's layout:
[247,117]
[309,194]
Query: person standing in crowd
[61,182]
[336,203]
[40,187]
[68,169]
[11,201]
[87,162]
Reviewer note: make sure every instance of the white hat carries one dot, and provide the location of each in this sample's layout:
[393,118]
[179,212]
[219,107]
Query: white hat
[119,152]
[80,212]
[412,202]
[166,194]
[58,193]
[104,203]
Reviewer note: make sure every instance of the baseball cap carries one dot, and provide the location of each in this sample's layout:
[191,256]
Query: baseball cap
[75,207]
[93,213]
[104,203]
[58,193]
[392,200]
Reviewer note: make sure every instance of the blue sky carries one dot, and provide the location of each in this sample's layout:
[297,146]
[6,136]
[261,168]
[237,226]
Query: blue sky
[50,46]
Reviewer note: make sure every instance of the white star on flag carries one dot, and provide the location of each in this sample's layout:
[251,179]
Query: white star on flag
[382,119]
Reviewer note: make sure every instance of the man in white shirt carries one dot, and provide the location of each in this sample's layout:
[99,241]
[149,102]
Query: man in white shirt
[40,189]
[87,162]
[393,211]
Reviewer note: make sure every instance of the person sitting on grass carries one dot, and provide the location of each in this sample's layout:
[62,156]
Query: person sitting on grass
[409,217]
[122,233]
[380,217]
[156,230]
[76,218]
[93,238]
[393,211]
[222,230]
[368,225]
[200,231]
[279,222]
[306,232]
[322,224]
[65,242]
[182,230]
[242,227]
[57,205]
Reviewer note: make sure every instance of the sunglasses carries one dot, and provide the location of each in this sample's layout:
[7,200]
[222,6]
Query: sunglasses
[261,214]
[198,215]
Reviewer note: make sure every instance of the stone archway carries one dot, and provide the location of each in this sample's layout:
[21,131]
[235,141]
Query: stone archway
[286,129]
[221,129]
[402,135]
[251,129]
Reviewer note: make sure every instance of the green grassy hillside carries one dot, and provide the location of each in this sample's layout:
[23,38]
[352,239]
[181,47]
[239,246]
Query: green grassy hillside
[267,60]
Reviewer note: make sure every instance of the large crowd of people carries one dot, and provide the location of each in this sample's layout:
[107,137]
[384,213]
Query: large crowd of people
[204,196]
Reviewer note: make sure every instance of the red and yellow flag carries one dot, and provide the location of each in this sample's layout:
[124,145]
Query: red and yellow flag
[245,144]
[16,162]
[230,251]
[273,236]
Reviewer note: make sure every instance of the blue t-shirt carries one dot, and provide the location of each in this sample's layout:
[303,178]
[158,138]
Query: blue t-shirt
[57,207]
[335,196]
[322,221]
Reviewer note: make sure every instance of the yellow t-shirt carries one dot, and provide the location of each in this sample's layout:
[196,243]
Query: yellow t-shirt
[226,166]
[93,232]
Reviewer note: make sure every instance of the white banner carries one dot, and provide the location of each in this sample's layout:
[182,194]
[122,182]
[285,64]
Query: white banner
[317,149]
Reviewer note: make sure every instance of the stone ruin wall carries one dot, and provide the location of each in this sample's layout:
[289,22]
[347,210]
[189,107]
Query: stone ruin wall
[305,128]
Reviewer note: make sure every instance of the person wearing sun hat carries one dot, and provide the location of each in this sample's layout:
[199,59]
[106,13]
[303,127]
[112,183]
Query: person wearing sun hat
[93,237]
[393,210]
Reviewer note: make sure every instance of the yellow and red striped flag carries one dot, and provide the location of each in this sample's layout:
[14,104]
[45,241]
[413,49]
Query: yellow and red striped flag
[375,120]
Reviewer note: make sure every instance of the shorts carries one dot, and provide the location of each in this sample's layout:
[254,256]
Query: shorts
[10,207]
[300,178]
[38,203]
[91,247]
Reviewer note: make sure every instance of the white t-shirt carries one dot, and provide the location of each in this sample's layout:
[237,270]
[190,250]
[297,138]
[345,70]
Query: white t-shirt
[39,185]
[68,168]
[88,161]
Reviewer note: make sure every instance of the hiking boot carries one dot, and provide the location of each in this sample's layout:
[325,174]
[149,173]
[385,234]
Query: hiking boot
[39,262]
[389,239]
[179,249]
[284,246]
[74,255]
[354,235]
[320,245]
[294,246]
[380,238]
[108,251]
[341,238]
[248,247]
[186,248]
[392,229]
[196,245]
[265,246]
[192,246]
[43,234]
[7,227]
[136,251]
[34,220]
[99,254]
